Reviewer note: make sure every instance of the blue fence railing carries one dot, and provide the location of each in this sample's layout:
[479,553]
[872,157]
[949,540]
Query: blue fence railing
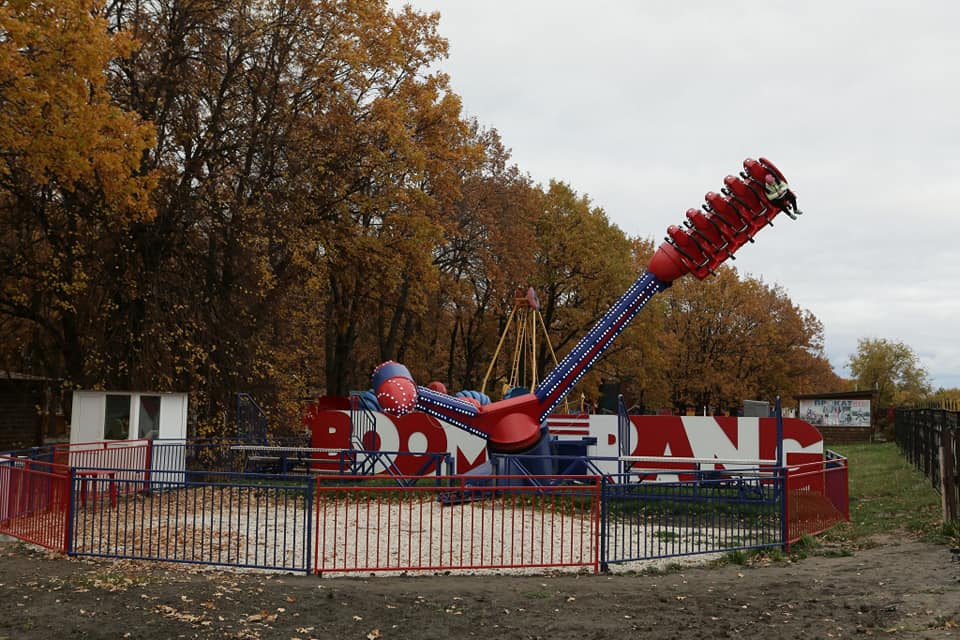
[705,512]
[236,520]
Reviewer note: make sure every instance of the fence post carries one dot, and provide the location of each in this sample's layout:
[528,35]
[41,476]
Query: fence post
[948,495]
[779,413]
[308,543]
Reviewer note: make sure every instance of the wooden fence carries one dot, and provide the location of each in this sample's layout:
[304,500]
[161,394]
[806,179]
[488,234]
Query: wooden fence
[930,439]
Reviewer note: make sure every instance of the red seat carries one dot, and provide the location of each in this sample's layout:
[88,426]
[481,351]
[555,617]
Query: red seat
[751,198]
[727,213]
[687,244]
[696,257]
[758,170]
[717,235]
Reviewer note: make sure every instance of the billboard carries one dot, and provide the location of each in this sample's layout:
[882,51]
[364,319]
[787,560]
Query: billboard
[702,437]
[836,413]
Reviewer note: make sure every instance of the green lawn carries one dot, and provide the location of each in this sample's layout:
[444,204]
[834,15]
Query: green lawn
[887,496]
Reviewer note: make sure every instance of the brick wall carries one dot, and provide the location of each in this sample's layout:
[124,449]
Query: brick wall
[845,434]
[19,420]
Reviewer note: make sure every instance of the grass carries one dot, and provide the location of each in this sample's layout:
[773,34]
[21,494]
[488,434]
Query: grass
[888,497]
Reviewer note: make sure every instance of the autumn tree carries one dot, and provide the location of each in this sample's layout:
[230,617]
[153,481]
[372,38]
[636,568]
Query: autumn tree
[305,159]
[731,339]
[483,259]
[890,368]
[388,148]
[221,283]
[947,398]
[70,181]
[273,196]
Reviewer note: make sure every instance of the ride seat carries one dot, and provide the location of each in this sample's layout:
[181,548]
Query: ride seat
[722,207]
[690,249]
[747,195]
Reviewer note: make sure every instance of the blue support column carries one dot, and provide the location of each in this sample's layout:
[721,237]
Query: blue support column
[308,499]
[71,506]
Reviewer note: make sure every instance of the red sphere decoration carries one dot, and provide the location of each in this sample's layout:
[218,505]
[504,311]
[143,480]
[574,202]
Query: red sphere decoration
[437,386]
[397,396]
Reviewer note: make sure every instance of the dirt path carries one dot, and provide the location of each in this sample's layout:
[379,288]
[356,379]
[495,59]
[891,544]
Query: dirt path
[899,589]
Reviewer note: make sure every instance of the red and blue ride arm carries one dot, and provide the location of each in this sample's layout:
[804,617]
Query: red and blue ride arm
[730,220]
[558,383]
[727,221]
[399,395]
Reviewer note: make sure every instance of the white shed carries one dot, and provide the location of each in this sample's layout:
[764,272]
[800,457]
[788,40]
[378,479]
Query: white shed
[127,415]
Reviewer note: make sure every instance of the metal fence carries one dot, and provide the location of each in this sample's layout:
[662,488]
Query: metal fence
[815,498]
[696,512]
[173,507]
[489,522]
[234,520]
[930,440]
[34,498]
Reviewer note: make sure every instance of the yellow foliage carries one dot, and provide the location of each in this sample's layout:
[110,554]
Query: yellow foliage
[59,128]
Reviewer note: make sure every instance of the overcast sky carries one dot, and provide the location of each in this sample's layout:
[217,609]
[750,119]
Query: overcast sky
[644,106]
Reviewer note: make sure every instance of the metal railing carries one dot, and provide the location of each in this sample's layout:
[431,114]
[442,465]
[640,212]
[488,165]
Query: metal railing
[815,498]
[236,520]
[34,501]
[698,512]
[172,507]
[456,526]
[363,424]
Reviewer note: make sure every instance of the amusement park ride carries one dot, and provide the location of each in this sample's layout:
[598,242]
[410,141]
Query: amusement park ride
[518,425]
[418,423]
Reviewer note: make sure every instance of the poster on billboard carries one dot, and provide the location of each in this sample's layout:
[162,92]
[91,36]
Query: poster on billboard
[823,412]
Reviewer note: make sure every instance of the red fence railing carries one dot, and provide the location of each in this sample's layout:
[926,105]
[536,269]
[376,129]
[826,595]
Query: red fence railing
[35,488]
[132,456]
[35,502]
[815,498]
[455,526]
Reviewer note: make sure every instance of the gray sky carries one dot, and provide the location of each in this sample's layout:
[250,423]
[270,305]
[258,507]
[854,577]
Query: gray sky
[645,106]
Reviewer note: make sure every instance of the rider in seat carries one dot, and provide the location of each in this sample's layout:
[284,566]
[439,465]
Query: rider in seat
[779,194]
